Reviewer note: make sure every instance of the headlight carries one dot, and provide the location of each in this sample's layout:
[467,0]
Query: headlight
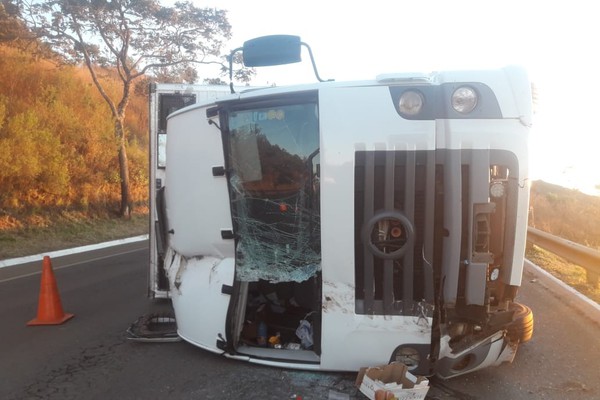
[464,99]
[411,103]
[497,189]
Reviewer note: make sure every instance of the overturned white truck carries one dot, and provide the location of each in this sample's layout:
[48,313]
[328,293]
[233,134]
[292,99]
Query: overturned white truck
[337,225]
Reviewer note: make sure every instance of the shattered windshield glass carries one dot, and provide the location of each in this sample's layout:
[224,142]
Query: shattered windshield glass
[274,181]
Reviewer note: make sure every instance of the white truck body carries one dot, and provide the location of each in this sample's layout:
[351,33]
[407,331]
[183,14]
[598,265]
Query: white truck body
[327,208]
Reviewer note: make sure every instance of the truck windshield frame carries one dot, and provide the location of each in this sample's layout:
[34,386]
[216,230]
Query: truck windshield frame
[272,153]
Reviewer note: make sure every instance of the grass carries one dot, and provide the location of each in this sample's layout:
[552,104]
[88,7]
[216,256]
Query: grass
[35,234]
[571,274]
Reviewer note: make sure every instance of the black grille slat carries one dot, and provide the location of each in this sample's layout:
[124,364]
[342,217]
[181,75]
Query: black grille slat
[388,272]
[390,164]
[409,211]
[369,203]
[429,220]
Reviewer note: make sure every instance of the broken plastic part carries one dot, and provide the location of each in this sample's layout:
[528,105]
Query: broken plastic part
[154,328]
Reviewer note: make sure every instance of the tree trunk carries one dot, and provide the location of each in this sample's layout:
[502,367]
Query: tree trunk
[126,204]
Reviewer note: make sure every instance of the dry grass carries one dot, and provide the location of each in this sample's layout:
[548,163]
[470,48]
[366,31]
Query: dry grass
[566,213]
[573,275]
[38,233]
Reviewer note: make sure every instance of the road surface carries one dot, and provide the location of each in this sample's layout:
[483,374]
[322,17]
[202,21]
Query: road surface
[89,357]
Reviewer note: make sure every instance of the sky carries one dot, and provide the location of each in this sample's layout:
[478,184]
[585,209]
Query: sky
[556,41]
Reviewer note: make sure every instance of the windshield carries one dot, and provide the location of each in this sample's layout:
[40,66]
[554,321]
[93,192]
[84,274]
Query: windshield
[274,181]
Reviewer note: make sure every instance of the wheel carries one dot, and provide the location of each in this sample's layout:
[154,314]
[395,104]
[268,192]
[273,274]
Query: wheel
[521,328]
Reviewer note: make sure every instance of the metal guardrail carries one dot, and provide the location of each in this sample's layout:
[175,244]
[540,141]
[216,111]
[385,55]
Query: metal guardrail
[587,258]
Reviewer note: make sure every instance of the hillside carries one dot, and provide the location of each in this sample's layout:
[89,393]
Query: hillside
[566,213]
[59,151]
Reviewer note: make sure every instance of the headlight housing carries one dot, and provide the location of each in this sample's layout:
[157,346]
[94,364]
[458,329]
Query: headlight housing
[411,103]
[464,99]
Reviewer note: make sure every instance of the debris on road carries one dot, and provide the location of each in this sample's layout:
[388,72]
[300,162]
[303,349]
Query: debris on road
[392,381]
[154,328]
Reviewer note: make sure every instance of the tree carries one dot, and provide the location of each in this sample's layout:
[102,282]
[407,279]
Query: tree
[134,37]
[11,28]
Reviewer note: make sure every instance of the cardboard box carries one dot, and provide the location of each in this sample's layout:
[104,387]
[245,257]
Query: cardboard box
[380,383]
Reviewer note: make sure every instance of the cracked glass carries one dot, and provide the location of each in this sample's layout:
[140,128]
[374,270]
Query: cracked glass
[274,183]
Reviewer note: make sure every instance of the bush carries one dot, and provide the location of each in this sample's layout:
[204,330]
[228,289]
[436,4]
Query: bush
[57,138]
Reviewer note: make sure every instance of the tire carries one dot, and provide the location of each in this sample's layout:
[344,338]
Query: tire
[521,328]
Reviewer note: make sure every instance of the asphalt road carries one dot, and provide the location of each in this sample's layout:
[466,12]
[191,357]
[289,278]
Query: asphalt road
[89,357]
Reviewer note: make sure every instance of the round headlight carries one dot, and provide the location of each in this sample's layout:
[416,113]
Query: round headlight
[497,189]
[464,99]
[411,103]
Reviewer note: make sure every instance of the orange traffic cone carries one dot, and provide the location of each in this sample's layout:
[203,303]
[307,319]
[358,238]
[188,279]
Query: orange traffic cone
[50,311]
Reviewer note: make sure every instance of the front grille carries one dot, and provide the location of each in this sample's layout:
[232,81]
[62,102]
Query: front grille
[394,190]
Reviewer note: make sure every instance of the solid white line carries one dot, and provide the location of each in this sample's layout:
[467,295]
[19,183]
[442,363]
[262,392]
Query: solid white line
[59,253]
[71,265]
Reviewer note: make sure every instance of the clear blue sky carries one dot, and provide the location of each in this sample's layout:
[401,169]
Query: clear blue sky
[555,40]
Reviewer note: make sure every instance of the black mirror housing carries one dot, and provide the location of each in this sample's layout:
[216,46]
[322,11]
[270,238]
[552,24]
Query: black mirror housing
[272,50]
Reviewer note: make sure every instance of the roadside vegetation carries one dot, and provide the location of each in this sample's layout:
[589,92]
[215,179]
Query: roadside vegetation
[571,274]
[59,150]
[58,165]
[74,112]
[566,213]
[571,215]
[40,233]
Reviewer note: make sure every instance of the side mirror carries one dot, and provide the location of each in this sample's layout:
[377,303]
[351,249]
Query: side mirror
[271,50]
